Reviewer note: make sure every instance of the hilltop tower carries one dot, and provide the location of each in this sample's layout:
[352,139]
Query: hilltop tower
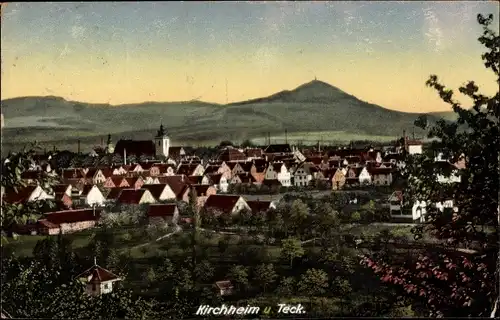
[162,142]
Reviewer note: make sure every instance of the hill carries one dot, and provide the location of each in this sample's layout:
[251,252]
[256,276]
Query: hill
[315,108]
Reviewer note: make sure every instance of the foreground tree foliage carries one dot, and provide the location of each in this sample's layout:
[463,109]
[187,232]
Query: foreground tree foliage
[457,282]
[12,168]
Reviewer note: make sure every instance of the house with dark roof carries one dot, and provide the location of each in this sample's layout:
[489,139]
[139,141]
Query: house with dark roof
[114,193]
[160,191]
[116,182]
[226,203]
[135,147]
[203,191]
[135,197]
[380,176]
[278,149]
[254,153]
[161,213]
[220,182]
[258,206]
[135,182]
[231,154]
[29,193]
[224,288]
[179,186]
[92,196]
[68,221]
[190,169]
[98,280]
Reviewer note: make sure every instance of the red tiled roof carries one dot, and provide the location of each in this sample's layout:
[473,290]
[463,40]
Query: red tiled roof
[254,152]
[176,183]
[378,170]
[259,162]
[214,178]
[47,224]
[131,196]
[211,169]
[278,148]
[277,166]
[246,177]
[117,180]
[132,181]
[186,169]
[246,166]
[114,193]
[315,160]
[231,154]
[201,189]
[60,188]
[31,175]
[98,274]
[224,203]
[155,189]
[72,174]
[86,189]
[72,216]
[22,195]
[162,210]
[195,179]
[259,206]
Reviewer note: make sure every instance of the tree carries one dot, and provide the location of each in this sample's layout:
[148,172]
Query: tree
[247,144]
[11,182]
[343,287]
[239,275]
[299,211]
[286,286]
[264,275]
[204,271]
[454,282]
[223,244]
[314,282]
[225,143]
[291,248]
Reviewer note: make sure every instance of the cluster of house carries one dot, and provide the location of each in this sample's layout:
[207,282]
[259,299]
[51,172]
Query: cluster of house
[81,192]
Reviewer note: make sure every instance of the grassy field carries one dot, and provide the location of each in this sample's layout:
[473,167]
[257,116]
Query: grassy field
[325,137]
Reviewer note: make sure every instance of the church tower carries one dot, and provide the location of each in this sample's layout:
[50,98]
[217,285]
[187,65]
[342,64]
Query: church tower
[110,148]
[162,143]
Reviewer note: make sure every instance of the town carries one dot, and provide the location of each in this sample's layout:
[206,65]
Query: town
[176,160]
[237,179]
[158,186]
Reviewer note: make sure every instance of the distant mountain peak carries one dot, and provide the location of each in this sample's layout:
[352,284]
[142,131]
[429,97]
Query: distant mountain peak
[315,91]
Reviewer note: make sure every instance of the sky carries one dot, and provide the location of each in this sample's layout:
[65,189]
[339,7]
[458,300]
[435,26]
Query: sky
[129,52]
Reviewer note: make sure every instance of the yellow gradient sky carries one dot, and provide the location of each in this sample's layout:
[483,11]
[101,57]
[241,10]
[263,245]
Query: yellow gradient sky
[380,52]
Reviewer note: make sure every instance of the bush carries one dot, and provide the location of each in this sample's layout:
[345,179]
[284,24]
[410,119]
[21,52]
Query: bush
[355,217]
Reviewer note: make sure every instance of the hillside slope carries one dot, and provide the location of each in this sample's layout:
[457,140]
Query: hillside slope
[312,107]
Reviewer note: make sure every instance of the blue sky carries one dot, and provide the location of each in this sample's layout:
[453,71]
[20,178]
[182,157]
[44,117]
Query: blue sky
[120,52]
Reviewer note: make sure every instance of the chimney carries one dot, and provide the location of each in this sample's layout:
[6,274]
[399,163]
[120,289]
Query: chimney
[286,137]
[102,141]
[78,146]
[54,148]
[95,261]
[124,157]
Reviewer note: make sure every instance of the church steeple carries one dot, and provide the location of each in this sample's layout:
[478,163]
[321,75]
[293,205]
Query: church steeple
[162,142]
[162,132]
